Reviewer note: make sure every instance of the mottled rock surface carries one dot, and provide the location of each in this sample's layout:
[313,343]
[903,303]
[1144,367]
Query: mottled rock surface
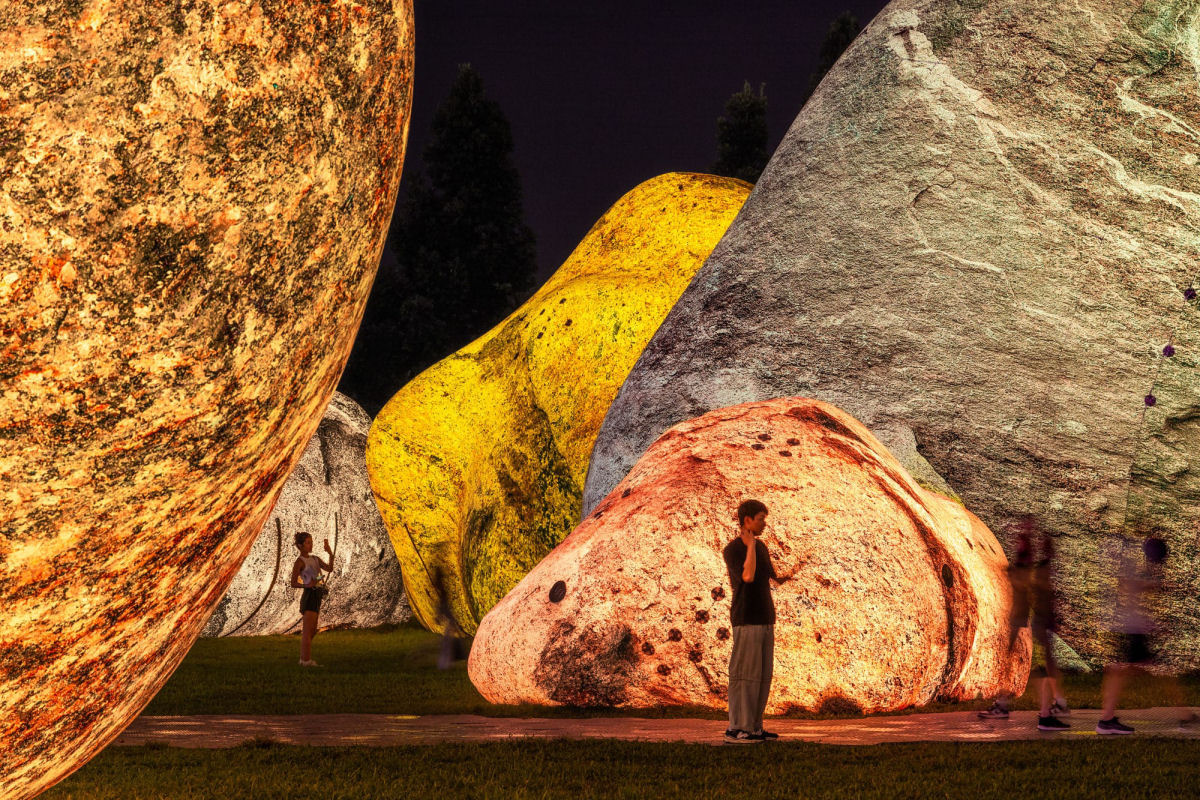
[328,495]
[193,200]
[478,463]
[888,596]
[977,237]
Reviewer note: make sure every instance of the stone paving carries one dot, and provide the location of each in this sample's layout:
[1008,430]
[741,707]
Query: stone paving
[382,730]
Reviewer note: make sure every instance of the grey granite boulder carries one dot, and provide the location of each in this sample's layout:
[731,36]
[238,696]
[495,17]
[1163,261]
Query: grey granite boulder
[977,238]
[329,496]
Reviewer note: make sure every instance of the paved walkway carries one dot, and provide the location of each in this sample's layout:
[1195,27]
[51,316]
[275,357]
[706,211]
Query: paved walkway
[381,730]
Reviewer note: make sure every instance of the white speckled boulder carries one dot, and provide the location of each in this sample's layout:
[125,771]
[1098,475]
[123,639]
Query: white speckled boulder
[328,495]
[977,238]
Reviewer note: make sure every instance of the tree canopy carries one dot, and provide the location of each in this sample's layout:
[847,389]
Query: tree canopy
[841,33]
[464,257]
[742,135]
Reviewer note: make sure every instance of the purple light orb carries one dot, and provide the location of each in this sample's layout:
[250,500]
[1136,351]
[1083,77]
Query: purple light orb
[1168,351]
[1151,399]
[1189,293]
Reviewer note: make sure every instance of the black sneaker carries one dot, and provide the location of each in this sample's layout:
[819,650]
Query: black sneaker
[1113,725]
[743,737]
[768,735]
[1051,723]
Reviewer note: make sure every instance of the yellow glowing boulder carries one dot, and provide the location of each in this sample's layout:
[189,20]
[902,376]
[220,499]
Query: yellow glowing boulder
[478,464]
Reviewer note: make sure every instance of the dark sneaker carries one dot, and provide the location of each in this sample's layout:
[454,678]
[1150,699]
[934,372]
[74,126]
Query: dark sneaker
[1113,725]
[768,735]
[1059,710]
[997,711]
[1051,723]
[743,737]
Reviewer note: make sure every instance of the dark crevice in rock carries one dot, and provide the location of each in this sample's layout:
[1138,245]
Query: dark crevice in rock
[326,452]
[961,606]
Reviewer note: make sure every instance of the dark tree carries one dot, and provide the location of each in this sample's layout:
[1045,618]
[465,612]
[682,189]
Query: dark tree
[464,257]
[742,135]
[841,33]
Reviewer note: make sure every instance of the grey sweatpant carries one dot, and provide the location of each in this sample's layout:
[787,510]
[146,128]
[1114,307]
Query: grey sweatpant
[750,667]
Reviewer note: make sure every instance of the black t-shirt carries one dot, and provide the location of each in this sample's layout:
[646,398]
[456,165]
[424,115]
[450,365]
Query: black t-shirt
[752,603]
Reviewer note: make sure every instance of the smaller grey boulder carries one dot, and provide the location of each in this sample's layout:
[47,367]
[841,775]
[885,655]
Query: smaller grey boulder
[328,495]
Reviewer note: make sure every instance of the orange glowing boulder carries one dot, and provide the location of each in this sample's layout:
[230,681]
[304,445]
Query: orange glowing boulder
[888,596]
[193,201]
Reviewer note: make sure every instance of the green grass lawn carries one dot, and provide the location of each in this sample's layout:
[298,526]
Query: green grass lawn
[1127,768]
[383,671]
[395,672]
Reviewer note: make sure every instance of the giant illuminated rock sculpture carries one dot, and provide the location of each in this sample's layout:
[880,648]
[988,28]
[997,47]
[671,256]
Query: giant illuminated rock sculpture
[478,463]
[888,595]
[978,237]
[329,495]
[193,200]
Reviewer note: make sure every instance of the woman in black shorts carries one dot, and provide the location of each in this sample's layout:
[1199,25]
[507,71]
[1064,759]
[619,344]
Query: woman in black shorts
[306,575]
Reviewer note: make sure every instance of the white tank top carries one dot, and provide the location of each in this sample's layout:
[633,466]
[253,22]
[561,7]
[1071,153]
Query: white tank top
[311,571]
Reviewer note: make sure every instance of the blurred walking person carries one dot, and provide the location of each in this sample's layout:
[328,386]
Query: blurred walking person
[1052,702]
[1133,619]
[448,653]
[1020,578]
[1033,591]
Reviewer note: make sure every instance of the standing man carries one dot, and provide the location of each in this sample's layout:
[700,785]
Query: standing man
[753,615]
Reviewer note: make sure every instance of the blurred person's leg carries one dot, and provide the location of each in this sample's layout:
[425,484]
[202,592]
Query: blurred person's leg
[1116,675]
[1047,686]
[1004,698]
[1113,683]
[446,655]
[1049,683]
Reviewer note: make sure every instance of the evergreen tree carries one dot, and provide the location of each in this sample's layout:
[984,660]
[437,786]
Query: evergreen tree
[841,33]
[464,256]
[742,135]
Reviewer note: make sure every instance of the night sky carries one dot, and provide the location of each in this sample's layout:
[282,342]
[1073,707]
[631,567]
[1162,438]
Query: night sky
[602,96]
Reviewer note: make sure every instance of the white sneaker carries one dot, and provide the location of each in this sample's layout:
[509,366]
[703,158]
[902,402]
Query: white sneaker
[309,663]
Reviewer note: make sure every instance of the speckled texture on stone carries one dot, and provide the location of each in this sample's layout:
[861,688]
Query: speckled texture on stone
[478,463]
[889,595]
[978,234]
[328,494]
[193,199]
